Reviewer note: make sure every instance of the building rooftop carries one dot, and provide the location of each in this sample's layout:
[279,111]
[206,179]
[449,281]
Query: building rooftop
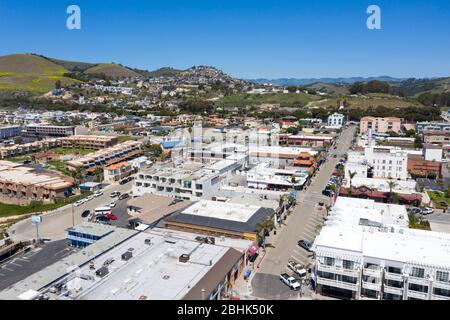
[227,216]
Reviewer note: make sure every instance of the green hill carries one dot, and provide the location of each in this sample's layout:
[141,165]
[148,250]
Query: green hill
[72,65]
[112,71]
[26,72]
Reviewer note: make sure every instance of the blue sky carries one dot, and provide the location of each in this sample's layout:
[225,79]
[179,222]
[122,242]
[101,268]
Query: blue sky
[245,38]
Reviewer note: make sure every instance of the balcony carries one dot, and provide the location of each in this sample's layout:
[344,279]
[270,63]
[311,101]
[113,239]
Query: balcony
[373,272]
[443,285]
[415,280]
[393,276]
[417,295]
[393,290]
[339,270]
[438,297]
[337,284]
[371,286]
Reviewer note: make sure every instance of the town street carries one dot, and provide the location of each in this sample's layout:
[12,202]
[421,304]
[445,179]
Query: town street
[301,224]
[54,224]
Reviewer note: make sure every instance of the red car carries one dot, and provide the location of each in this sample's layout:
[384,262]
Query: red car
[110,216]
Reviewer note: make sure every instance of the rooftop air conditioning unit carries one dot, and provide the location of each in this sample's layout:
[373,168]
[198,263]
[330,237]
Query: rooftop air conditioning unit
[184,258]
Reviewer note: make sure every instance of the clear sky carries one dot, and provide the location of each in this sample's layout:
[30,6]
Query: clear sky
[245,38]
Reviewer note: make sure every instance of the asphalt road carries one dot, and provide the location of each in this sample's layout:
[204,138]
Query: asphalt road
[54,224]
[439,221]
[302,224]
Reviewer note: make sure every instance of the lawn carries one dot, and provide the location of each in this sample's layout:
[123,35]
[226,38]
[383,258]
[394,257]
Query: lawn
[72,150]
[416,222]
[438,199]
[121,139]
[20,159]
[58,165]
[7,210]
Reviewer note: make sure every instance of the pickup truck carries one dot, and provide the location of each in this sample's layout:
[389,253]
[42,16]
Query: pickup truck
[290,281]
[297,268]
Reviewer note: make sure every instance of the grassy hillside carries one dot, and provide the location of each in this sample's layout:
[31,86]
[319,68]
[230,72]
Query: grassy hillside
[112,71]
[332,89]
[31,73]
[72,65]
[415,87]
[284,99]
[370,101]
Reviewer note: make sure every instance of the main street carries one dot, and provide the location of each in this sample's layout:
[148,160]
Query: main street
[54,224]
[301,224]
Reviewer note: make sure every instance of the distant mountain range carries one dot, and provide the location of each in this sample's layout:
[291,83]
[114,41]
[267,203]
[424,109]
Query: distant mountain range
[308,81]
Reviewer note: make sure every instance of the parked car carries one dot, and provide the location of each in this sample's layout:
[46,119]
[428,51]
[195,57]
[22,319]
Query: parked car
[427,210]
[297,268]
[290,281]
[125,180]
[78,203]
[98,194]
[111,216]
[89,198]
[415,210]
[102,218]
[123,196]
[115,194]
[85,213]
[327,192]
[305,245]
[112,204]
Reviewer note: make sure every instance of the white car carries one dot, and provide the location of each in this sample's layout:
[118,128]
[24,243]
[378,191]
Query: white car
[98,194]
[290,281]
[78,203]
[112,204]
[90,198]
[427,210]
[297,268]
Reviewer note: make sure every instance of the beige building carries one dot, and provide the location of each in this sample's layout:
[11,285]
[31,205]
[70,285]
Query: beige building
[117,171]
[21,185]
[88,142]
[380,125]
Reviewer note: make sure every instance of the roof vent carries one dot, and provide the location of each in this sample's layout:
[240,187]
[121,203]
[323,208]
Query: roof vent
[184,258]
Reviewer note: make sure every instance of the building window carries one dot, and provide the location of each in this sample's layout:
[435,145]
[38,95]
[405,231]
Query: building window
[417,287]
[329,261]
[347,264]
[349,279]
[417,272]
[393,283]
[441,292]
[442,276]
[394,270]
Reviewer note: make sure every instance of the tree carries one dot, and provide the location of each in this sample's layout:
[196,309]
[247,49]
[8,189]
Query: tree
[351,176]
[58,84]
[263,228]
[392,184]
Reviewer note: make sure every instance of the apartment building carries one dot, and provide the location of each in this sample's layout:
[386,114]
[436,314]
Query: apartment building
[7,132]
[106,157]
[45,130]
[366,251]
[336,120]
[27,148]
[88,142]
[441,137]
[278,155]
[188,183]
[306,140]
[422,126]
[21,185]
[264,176]
[116,172]
[378,161]
[380,125]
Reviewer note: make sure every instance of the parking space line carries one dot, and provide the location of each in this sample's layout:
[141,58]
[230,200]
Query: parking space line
[8,269]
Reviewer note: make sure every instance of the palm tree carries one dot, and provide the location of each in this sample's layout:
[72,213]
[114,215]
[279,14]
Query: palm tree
[351,175]
[77,174]
[392,184]
[264,228]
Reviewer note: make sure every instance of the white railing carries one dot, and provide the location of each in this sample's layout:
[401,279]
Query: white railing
[438,297]
[417,295]
[443,285]
[415,280]
[338,284]
[372,272]
[371,286]
[339,270]
[393,276]
[393,290]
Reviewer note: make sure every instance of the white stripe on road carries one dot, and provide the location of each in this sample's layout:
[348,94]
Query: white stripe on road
[16,264]
[8,269]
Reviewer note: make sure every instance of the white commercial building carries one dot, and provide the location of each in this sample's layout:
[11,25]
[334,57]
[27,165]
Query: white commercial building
[263,176]
[181,183]
[366,250]
[277,155]
[336,120]
[385,162]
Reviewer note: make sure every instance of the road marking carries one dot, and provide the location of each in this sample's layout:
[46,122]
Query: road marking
[16,264]
[2,275]
[8,269]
